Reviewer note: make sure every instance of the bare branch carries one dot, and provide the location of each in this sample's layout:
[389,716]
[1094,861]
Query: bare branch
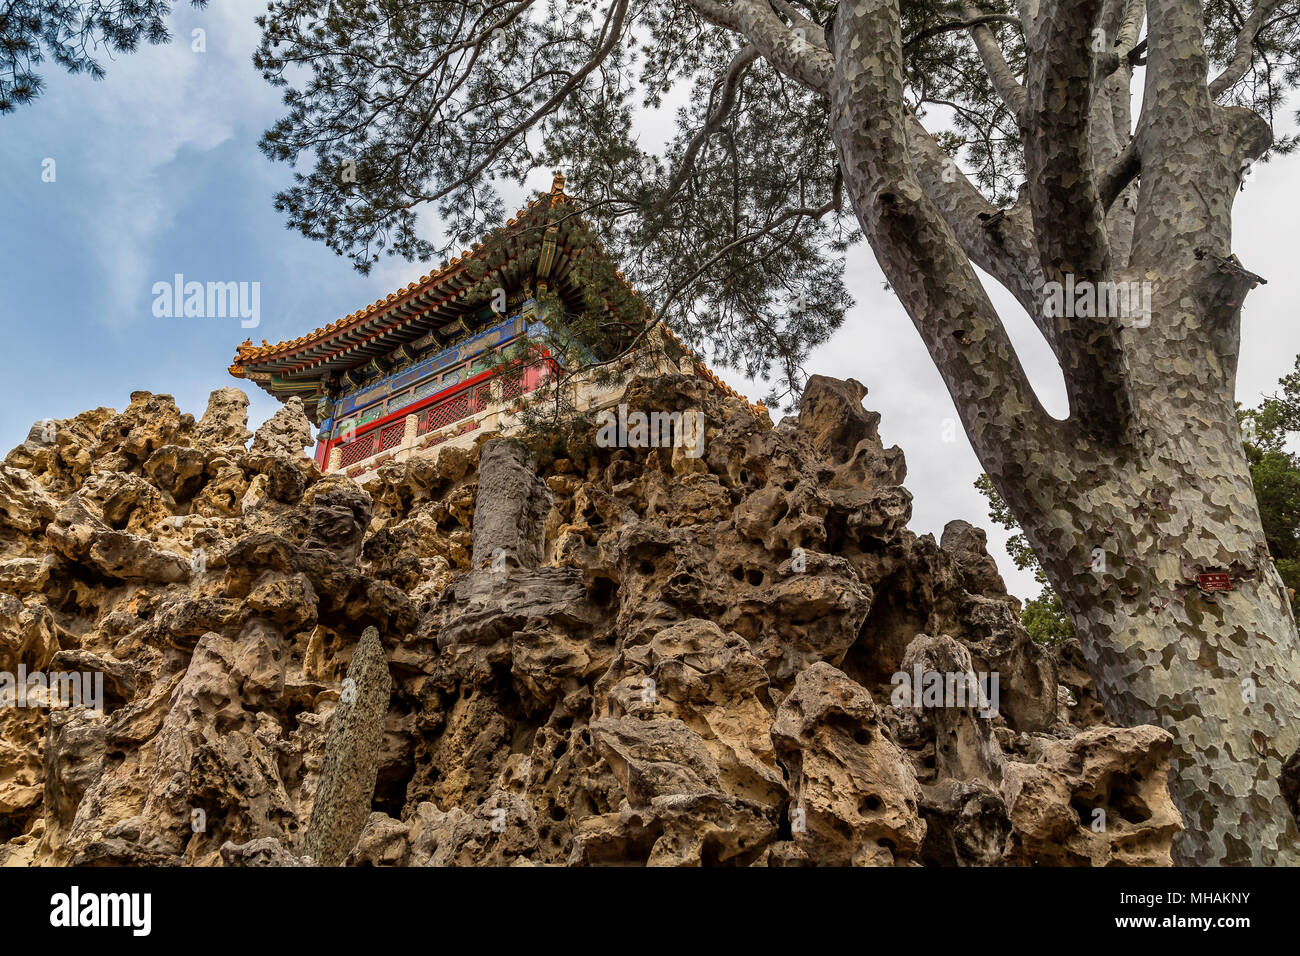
[995,64]
[1058,151]
[972,20]
[1122,172]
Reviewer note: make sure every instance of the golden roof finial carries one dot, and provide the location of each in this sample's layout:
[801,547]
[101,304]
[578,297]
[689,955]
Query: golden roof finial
[557,185]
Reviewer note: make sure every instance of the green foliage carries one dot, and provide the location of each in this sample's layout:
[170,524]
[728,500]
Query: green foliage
[733,227]
[67,31]
[711,177]
[941,76]
[1044,617]
[1275,473]
[1017,545]
[409,107]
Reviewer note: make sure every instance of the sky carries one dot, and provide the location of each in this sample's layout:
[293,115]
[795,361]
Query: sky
[156,172]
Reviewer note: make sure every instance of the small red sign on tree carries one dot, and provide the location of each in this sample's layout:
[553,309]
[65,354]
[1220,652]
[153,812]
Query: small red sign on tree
[1214,581]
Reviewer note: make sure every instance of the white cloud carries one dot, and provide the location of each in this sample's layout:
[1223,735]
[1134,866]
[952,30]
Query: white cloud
[155,107]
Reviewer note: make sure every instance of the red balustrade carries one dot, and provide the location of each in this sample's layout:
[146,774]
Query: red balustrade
[357,450]
[391,436]
[438,415]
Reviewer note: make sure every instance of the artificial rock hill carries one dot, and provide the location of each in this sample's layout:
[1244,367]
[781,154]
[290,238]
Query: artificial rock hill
[587,656]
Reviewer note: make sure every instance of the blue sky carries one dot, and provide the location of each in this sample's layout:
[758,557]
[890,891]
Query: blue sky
[158,172]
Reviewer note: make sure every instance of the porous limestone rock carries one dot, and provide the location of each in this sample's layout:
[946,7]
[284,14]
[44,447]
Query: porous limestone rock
[511,508]
[1098,799]
[284,434]
[854,797]
[225,422]
[962,728]
[597,655]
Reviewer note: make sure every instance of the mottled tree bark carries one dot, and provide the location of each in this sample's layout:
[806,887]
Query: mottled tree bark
[1145,485]
[1123,533]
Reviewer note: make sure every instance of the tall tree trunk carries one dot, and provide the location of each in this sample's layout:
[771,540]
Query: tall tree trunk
[1124,534]
[1221,676]
[1145,485]
[1219,670]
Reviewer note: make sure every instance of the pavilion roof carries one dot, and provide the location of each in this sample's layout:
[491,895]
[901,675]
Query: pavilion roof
[439,301]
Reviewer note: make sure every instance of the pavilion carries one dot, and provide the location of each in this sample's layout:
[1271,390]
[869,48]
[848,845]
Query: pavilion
[415,370]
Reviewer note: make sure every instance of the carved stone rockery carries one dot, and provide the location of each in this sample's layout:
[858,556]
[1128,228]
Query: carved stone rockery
[596,655]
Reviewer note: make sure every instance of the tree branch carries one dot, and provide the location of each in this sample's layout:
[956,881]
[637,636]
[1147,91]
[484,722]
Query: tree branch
[1245,48]
[1191,150]
[730,84]
[995,64]
[1001,242]
[792,51]
[812,32]
[612,32]
[1069,216]
[1058,150]
[788,215]
[1121,172]
[917,250]
[973,19]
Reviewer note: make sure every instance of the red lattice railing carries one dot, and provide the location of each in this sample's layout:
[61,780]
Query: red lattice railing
[392,435]
[444,414]
[512,386]
[358,449]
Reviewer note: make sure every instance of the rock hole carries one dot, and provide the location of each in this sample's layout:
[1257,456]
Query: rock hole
[1125,800]
[1082,809]
[603,592]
